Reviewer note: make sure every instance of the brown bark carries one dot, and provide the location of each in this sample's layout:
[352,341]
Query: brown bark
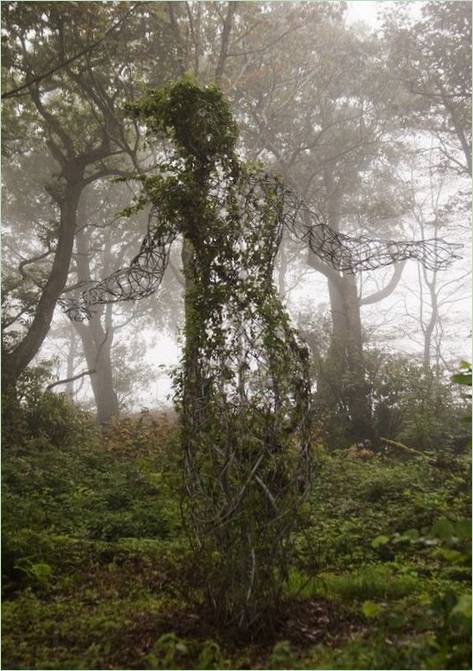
[225,40]
[345,357]
[458,127]
[71,355]
[346,347]
[97,344]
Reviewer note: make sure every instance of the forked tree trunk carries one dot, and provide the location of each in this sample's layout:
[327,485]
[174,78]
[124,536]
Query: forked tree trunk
[97,345]
[345,356]
[346,348]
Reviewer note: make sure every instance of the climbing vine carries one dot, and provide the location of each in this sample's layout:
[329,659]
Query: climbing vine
[245,387]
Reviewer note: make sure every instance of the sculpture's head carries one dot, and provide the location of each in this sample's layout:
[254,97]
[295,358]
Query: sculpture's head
[198,119]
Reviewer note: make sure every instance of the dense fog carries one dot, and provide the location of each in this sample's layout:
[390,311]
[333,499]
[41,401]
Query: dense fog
[337,99]
[236,246]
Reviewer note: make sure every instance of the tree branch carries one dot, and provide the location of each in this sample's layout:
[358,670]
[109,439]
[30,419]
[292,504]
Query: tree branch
[386,290]
[227,27]
[70,379]
[83,52]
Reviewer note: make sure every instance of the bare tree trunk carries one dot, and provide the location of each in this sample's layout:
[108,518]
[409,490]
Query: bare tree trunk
[346,348]
[71,355]
[14,362]
[345,356]
[97,345]
[97,341]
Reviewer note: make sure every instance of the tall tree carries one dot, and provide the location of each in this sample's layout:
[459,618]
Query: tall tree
[431,214]
[76,136]
[320,117]
[431,57]
[74,110]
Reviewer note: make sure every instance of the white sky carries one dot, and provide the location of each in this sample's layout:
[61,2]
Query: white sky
[365,11]
[368,11]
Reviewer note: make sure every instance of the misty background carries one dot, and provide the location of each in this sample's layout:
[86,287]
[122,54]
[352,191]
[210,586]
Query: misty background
[363,107]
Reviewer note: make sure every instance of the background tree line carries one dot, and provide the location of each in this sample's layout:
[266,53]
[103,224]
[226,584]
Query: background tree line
[372,129]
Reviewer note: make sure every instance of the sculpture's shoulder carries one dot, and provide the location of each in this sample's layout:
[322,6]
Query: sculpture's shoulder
[257,182]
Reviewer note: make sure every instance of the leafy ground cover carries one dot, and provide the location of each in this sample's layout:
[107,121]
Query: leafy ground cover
[97,572]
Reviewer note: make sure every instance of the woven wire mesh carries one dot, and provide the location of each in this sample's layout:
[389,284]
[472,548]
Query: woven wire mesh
[352,254]
[141,279]
[342,252]
[246,407]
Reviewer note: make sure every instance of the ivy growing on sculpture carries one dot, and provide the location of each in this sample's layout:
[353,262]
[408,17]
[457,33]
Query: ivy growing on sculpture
[244,386]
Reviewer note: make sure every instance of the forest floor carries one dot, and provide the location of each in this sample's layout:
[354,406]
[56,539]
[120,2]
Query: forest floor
[98,572]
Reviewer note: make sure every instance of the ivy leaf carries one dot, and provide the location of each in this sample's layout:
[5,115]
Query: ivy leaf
[461,612]
[462,378]
[442,529]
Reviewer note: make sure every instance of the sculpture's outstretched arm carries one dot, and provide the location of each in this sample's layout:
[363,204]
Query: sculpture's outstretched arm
[348,254]
[142,277]
[364,253]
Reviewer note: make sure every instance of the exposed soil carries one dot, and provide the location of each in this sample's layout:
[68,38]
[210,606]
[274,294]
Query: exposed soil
[304,623]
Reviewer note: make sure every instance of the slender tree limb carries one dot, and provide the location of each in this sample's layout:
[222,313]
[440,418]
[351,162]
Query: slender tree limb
[34,259]
[227,28]
[70,379]
[386,290]
[83,52]
[265,47]
[178,37]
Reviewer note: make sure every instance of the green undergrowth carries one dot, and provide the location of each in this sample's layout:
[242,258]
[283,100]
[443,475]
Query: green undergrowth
[97,571]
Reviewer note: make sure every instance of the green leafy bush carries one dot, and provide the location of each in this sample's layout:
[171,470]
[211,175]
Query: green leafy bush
[408,404]
[42,417]
[355,500]
[94,556]
[63,482]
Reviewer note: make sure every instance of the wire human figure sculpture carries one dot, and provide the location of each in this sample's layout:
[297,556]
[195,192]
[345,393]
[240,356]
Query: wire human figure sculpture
[245,388]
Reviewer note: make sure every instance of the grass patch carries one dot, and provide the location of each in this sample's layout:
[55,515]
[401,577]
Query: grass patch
[370,582]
